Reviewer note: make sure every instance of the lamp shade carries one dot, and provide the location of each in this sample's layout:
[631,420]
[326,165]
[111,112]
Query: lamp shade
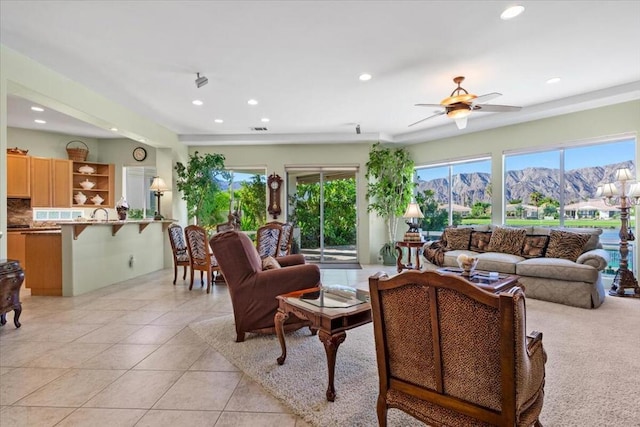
[413,211]
[624,174]
[158,185]
[609,190]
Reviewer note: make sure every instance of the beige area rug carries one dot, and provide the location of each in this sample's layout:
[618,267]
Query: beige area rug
[593,367]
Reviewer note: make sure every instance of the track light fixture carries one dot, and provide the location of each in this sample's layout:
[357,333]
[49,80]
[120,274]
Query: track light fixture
[201,80]
[358,129]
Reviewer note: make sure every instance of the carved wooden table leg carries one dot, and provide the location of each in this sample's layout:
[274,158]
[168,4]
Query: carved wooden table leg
[331,344]
[278,321]
[11,278]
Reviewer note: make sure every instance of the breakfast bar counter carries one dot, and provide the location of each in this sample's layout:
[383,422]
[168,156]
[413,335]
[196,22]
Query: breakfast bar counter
[96,254]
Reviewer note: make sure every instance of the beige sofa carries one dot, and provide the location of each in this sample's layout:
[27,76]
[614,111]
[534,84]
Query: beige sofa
[562,265]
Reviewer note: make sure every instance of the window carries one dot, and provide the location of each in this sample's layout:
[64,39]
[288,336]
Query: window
[136,183]
[247,195]
[558,187]
[454,193]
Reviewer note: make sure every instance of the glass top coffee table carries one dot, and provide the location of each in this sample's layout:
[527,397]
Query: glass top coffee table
[491,282]
[331,312]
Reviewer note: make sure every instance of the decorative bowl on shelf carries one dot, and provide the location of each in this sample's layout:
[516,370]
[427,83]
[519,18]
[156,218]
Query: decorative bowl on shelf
[87,185]
[86,169]
[80,198]
[97,200]
[467,264]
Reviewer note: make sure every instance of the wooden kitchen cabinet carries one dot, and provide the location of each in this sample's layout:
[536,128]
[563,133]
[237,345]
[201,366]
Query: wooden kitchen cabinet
[16,248]
[51,182]
[18,176]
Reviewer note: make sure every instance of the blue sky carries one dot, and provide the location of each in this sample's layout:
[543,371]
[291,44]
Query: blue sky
[579,157]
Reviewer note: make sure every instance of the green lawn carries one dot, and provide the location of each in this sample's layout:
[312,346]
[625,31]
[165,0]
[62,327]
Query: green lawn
[591,223]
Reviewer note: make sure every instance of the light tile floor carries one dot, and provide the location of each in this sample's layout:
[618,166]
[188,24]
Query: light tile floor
[125,356]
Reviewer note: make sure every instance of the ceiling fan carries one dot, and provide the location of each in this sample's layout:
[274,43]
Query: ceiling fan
[461,103]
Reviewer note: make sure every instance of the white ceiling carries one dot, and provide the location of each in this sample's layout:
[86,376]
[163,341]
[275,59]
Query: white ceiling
[301,61]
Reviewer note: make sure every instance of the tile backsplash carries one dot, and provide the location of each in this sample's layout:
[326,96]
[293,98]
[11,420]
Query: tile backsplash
[19,212]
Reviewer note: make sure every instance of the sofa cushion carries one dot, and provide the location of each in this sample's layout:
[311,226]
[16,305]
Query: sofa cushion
[594,234]
[556,268]
[457,238]
[566,245]
[507,240]
[500,262]
[480,241]
[534,246]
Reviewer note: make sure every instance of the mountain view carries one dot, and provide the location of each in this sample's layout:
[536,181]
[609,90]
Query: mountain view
[579,184]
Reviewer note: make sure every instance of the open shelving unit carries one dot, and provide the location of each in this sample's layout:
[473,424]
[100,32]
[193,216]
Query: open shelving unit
[103,178]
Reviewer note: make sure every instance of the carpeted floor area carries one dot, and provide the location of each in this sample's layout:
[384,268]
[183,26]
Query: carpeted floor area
[593,368]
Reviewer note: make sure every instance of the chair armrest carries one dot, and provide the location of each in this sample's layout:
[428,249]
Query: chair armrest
[534,342]
[596,258]
[289,260]
[284,280]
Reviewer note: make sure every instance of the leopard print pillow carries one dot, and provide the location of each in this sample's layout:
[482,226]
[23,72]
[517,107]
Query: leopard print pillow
[507,240]
[566,245]
[457,238]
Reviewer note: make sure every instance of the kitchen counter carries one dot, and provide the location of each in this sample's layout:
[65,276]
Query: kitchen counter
[99,253]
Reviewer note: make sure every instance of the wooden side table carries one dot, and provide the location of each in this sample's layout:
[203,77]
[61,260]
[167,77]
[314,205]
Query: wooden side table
[11,278]
[410,248]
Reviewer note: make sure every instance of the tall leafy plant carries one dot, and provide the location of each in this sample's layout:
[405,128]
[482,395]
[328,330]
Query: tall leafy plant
[390,186]
[199,182]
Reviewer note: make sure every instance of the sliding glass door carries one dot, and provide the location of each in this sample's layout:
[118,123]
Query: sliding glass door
[322,206]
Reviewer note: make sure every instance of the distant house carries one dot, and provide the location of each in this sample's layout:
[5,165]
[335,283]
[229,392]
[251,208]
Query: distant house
[528,211]
[592,208]
[462,210]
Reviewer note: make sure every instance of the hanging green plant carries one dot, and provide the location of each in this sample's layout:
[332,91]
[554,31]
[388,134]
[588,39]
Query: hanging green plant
[199,183]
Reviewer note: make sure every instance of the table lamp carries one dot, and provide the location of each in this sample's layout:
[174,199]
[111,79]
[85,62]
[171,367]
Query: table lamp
[159,187]
[413,211]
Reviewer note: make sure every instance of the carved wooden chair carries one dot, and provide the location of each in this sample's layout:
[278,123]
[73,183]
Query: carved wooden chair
[452,354]
[179,249]
[284,242]
[201,256]
[268,239]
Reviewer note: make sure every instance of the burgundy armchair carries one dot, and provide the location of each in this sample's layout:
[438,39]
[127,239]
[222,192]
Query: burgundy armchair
[253,290]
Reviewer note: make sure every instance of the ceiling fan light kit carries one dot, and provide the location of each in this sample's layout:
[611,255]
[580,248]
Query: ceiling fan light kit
[459,105]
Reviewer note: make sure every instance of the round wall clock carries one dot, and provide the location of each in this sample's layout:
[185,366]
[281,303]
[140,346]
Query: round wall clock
[139,154]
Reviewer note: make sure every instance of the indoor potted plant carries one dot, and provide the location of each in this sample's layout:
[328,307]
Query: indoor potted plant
[389,190]
[198,181]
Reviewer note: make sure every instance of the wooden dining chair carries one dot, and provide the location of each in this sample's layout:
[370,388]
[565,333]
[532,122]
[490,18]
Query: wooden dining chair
[201,256]
[179,249]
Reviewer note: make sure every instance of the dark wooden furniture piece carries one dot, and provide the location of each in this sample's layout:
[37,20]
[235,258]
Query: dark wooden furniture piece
[253,290]
[452,354]
[331,324]
[483,279]
[411,247]
[200,254]
[11,278]
[179,249]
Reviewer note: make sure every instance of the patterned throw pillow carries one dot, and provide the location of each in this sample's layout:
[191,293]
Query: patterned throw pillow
[480,241]
[270,263]
[534,246]
[566,245]
[457,238]
[507,240]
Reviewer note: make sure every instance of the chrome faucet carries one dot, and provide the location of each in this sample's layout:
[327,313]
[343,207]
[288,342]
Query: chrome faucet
[93,214]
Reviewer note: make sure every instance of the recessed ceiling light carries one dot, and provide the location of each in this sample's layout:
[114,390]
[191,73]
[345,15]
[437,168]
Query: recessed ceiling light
[252,102]
[142,140]
[40,121]
[218,121]
[38,109]
[365,77]
[114,129]
[197,102]
[511,12]
[553,80]
[264,120]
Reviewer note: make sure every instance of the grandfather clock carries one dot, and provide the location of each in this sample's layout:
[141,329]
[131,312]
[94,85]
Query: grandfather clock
[275,185]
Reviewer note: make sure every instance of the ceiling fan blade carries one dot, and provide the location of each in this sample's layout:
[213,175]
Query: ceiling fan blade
[461,123]
[486,98]
[426,118]
[490,108]
[430,105]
